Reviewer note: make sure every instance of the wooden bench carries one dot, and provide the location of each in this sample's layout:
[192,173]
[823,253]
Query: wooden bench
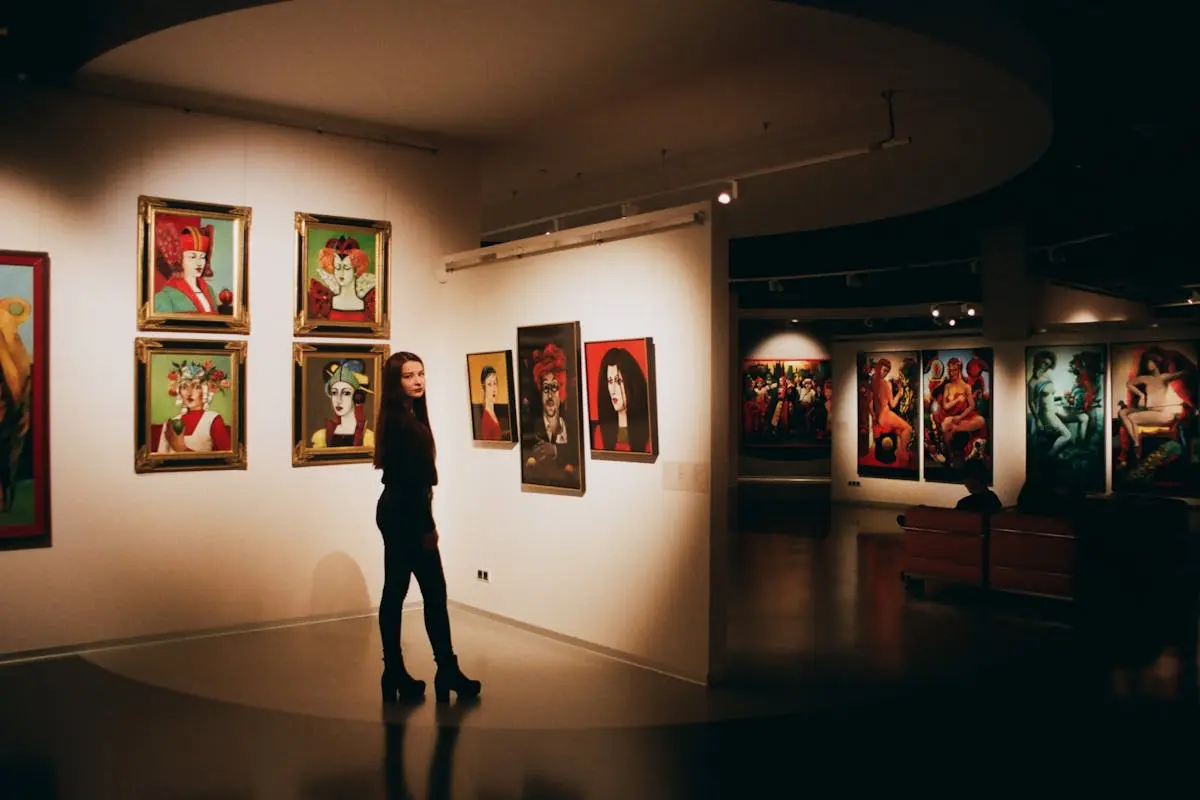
[943,545]
[1029,554]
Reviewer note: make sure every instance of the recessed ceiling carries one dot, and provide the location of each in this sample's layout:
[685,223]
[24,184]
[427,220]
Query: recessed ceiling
[577,102]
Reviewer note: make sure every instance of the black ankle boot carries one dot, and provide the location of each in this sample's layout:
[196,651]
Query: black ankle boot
[397,685]
[450,678]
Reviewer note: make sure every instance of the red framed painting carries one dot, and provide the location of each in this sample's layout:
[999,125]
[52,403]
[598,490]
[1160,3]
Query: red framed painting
[24,400]
[622,404]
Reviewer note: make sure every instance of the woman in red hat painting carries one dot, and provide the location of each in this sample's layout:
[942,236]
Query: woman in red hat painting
[186,252]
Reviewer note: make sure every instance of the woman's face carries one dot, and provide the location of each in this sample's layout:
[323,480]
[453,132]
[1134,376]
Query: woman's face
[412,378]
[955,371]
[341,396]
[193,263]
[191,394]
[491,385]
[616,388]
[343,270]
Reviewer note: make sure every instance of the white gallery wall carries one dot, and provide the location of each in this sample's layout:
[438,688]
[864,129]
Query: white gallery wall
[136,555]
[1009,422]
[625,566]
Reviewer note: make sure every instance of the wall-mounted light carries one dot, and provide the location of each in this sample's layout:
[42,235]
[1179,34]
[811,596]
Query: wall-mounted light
[728,195]
[951,322]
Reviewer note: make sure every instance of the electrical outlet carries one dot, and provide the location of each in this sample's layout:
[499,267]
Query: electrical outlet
[486,579]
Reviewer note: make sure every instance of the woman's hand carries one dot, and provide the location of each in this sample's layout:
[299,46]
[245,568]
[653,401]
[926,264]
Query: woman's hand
[430,540]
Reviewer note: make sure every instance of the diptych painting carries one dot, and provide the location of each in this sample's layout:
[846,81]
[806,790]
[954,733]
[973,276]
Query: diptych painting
[192,266]
[191,405]
[888,407]
[334,392]
[1064,412]
[493,410]
[622,413]
[787,402]
[551,408]
[24,400]
[1154,419]
[956,390]
[342,273]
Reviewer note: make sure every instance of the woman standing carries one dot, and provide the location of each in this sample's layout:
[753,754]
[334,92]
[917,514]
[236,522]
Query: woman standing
[406,454]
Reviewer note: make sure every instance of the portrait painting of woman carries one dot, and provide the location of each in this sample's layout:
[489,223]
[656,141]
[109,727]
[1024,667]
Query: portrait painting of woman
[341,288]
[1155,426]
[622,417]
[192,259]
[490,382]
[191,405]
[887,414]
[334,402]
[957,407]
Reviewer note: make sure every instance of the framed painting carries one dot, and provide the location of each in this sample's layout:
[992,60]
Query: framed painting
[1064,416]
[193,266]
[24,400]
[551,408]
[191,405]
[1154,419]
[622,403]
[342,276]
[334,391]
[493,410]
[787,402]
[956,391]
[888,407]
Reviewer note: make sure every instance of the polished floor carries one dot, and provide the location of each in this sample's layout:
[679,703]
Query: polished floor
[838,683]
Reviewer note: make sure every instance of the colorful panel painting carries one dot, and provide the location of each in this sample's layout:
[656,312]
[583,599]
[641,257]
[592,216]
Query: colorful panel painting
[956,392]
[24,400]
[787,402]
[551,408]
[334,389]
[888,406]
[622,413]
[1154,425]
[341,285]
[493,410]
[1064,412]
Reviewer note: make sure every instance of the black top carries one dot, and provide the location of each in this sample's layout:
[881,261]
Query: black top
[409,475]
[986,502]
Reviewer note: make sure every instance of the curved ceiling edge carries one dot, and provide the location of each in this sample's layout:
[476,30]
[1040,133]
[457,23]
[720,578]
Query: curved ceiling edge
[49,46]
[983,28]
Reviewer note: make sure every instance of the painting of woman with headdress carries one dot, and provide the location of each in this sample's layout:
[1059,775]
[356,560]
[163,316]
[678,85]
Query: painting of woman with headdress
[192,259]
[334,402]
[342,266]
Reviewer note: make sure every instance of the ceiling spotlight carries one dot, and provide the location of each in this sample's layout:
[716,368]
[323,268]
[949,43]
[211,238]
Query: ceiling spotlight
[970,311]
[728,195]
[952,322]
[795,322]
[936,311]
[1194,297]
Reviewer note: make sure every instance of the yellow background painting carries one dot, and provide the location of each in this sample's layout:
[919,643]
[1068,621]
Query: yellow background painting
[475,364]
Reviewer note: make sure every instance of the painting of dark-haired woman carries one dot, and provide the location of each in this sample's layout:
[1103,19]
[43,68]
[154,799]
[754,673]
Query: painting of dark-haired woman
[551,408]
[1155,425]
[490,382]
[621,408]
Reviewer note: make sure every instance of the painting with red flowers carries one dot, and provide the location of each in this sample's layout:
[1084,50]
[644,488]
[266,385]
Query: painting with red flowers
[622,413]
[192,266]
[341,285]
[191,405]
[551,408]
[24,400]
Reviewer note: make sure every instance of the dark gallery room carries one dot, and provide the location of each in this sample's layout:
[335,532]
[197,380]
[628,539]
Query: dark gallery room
[724,398]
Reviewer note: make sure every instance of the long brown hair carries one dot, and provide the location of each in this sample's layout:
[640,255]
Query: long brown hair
[400,414]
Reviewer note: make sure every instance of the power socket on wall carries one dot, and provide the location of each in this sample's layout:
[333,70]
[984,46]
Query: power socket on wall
[482,575]
[854,483]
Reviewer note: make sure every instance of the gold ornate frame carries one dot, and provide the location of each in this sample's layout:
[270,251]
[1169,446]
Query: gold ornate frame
[151,320]
[303,455]
[145,459]
[381,231]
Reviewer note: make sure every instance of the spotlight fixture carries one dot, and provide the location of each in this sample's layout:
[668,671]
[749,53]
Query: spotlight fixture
[970,310]
[952,322]
[795,322]
[1194,297]
[728,195]
[937,312]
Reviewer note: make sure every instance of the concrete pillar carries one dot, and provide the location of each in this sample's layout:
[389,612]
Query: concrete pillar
[1010,294]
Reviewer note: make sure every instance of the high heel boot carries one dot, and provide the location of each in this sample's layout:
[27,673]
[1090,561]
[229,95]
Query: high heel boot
[450,678]
[397,685]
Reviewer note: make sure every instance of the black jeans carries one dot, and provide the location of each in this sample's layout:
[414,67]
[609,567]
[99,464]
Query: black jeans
[404,555]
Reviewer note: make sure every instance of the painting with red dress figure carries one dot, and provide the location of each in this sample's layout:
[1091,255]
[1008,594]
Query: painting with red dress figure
[956,391]
[1154,427]
[490,385]
[622,413]
[787,402]
[342,283]
[548,367]
[193,266]
[24,400]
[887,414]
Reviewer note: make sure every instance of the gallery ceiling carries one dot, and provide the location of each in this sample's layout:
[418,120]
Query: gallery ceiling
[576,103]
